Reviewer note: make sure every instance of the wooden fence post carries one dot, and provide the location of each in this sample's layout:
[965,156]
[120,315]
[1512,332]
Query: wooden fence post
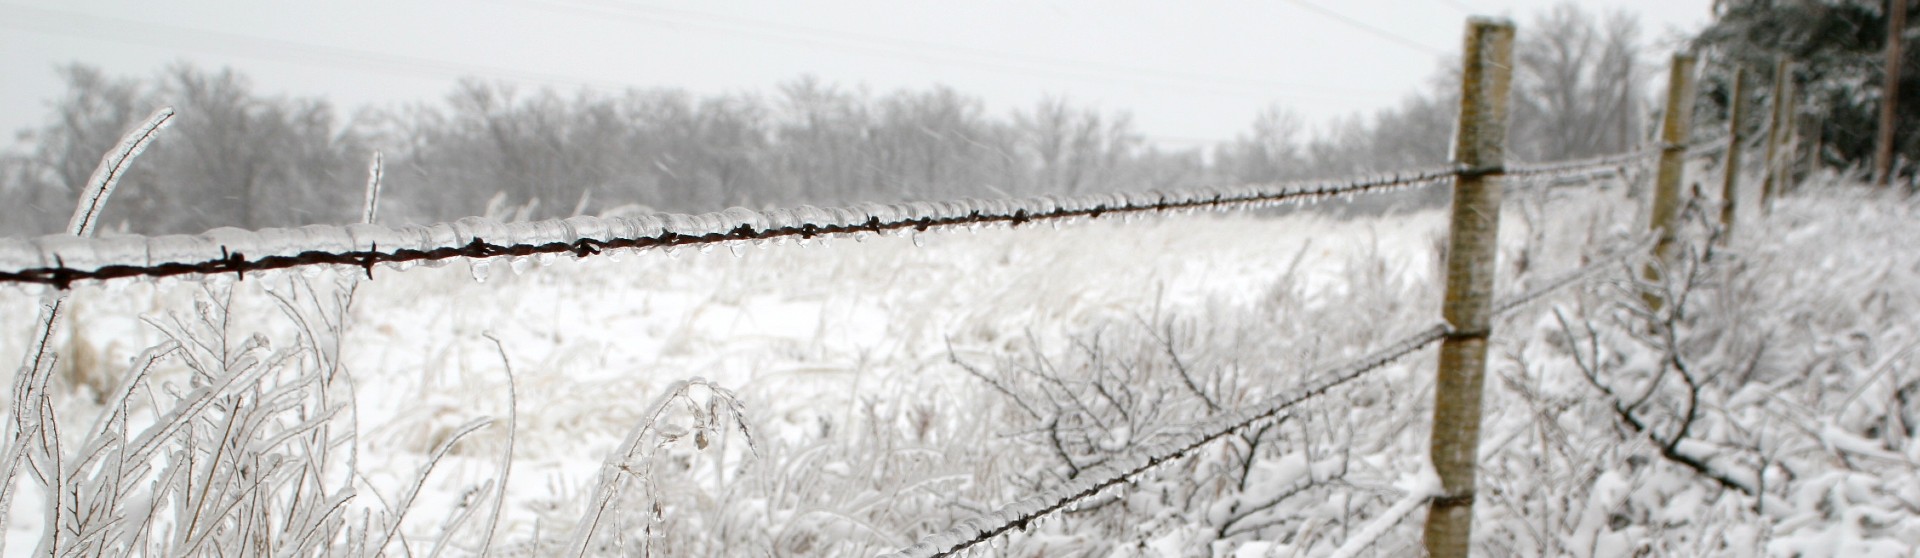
[1664,222]
[1674,126]
[1480,147]
[1889,94]
[1776,127]
[1730,178]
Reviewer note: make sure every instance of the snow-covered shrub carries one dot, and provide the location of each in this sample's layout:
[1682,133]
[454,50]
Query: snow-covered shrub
[1758,409]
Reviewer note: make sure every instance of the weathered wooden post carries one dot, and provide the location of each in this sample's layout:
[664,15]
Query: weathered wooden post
[1890,93]
[1673,155]
[1480,148]
[1730,180]
[1664,221]
[1776,132]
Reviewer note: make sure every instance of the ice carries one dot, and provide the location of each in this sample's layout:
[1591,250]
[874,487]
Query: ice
[736,217]
[480,268]
[231,239]
[101,184]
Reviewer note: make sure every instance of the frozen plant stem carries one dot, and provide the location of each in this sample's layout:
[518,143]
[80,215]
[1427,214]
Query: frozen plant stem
[370,209]
[506,456]
[112,167]
[31,408]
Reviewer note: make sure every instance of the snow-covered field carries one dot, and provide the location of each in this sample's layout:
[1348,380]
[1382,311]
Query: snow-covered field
[891,387]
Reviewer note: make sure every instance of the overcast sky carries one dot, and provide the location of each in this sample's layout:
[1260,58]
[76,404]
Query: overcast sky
[1189,72]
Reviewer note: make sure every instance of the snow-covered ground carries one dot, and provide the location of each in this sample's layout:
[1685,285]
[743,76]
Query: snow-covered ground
[888,387]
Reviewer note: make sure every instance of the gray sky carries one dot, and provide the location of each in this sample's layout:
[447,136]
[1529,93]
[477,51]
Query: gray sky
[1189,72]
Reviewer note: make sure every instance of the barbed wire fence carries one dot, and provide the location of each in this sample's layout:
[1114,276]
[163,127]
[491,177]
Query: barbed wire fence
[63,261]
[1128,469]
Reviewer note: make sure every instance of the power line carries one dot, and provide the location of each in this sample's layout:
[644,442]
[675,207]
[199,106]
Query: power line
[913,49]
[40,20]
[1461,6]
[1369,28]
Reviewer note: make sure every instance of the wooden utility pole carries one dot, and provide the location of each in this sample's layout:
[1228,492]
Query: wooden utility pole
[1480,148]
[1776,131]
[1674,126]
[1730,178]
[1889,93]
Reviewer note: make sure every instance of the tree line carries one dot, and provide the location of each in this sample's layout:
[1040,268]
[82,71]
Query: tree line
[235,157]
[1836,50]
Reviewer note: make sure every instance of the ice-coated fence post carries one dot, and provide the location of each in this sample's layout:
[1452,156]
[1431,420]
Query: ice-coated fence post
[1479,149]
[1730,176]
[1674,124]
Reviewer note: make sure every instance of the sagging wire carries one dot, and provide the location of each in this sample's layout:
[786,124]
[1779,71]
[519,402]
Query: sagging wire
[1126,470]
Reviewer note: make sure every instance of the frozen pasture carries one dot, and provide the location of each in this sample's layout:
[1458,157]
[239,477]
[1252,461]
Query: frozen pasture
[842,398]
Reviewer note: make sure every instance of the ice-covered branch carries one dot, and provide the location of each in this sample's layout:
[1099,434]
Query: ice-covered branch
[113,166]
[1421,488]
[1123,469]
[1092,482]
[370,209]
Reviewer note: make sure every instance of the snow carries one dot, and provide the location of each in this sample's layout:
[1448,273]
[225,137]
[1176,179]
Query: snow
[866,434]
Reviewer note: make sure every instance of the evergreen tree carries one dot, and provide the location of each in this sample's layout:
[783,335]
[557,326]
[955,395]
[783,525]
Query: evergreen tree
[1838,47]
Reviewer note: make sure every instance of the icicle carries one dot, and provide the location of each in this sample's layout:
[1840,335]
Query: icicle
[479,268]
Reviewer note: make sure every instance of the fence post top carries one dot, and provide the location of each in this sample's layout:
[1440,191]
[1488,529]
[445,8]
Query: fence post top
[1490,21]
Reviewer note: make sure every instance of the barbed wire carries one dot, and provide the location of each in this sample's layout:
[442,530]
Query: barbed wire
[1128,469]
[1637,248]
[1578,166]
[1709,147]
[61,260]
[138,256]
[1695,149]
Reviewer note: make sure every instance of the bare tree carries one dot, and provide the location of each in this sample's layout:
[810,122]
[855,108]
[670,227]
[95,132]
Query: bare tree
[1271,152]
[87,122]
[1576,92]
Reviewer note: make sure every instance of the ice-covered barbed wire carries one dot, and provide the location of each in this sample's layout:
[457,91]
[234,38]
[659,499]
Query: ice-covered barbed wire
[60,260]
[1131,467]
[1634,249]
[1093,482]
[1579,166]
[1606,164]
[1708,147]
